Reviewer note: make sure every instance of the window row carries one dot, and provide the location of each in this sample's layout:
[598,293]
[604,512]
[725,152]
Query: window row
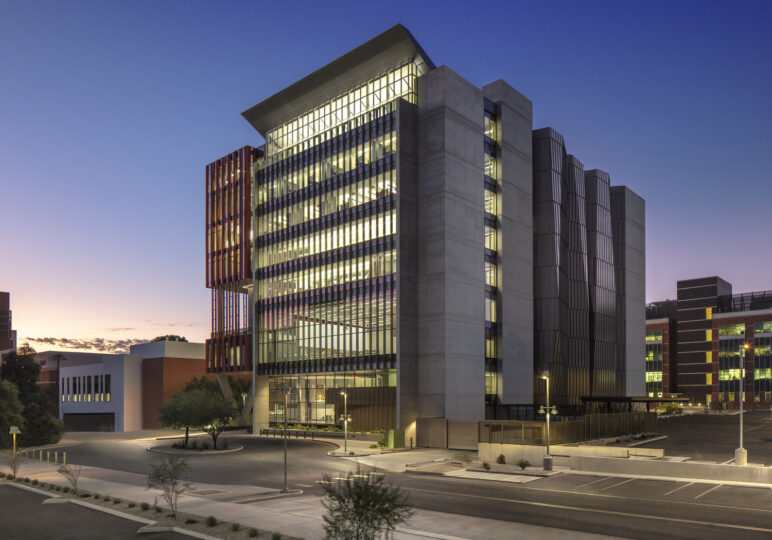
[491,277]
[85,389]
[366,267]
[346,234]
[489,166]
[489,125]
[366,190]
[307,394]
[490,237]
[654,335]
[731,329]
[491,202]
[362,325]
[653,376]
[396,83]
[345,160]
[490,310]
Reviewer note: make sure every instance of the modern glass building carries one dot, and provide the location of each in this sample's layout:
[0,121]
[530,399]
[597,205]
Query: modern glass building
[405,237]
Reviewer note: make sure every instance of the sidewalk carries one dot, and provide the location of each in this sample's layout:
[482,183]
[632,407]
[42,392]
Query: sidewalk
[292,515]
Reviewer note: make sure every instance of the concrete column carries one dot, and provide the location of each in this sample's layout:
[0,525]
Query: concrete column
[450,284]
[260,411]
[629,228]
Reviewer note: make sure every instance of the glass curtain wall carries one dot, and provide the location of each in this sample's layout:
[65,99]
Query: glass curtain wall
[325,258]
[762,362]
[654,363]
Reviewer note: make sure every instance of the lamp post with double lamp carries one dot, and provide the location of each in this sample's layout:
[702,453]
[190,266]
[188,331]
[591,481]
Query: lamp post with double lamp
[547,412]
[741,454]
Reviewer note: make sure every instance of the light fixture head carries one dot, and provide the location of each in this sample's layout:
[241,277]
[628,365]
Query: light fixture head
[746,346]
[545,375]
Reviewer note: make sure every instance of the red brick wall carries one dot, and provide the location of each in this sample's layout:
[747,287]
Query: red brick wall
[161,379]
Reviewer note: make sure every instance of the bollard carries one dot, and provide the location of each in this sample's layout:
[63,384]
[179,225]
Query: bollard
[48,456]
[40,457]
[56,458]
[64,458]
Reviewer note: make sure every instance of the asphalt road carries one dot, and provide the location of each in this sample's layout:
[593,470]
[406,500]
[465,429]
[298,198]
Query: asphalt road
[25,517]
[261,461]
[633,508]
[714,437]
[630,508]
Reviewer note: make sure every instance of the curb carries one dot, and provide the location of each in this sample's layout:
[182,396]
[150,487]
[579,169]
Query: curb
[641,443]
[116,513]
[147,529]
[190,452]
[32,489]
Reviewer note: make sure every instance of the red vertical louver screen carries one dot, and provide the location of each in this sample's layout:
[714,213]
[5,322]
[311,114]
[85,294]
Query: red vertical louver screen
[228,260]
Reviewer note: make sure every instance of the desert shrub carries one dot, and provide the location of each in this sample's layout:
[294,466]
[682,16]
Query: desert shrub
[235,527]
[168,476]
[190,521]
[486,466]
[361,506]
[501,460]
[132,505]
[523,463]
[211,521]
[252,533]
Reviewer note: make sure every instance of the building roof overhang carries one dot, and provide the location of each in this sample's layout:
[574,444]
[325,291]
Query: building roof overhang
[385,51]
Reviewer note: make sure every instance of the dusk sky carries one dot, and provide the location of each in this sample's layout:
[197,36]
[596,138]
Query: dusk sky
[109,112]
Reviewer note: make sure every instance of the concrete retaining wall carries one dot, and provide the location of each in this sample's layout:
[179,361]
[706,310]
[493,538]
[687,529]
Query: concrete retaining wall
[515,452]
[616,460]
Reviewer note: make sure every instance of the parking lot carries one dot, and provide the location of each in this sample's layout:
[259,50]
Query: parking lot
[723,495]
[714,437]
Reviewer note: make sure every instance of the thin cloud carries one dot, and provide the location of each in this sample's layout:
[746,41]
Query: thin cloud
[114,346]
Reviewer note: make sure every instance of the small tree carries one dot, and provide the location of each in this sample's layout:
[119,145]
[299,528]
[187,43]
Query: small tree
[13,461]
[11,412]
[167,476]
[203,383]
[72,474]
[183,411]
[22,370]
[361,506]
[216,413]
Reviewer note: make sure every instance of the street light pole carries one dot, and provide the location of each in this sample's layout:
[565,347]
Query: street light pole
[345,422]
[286,393]
[741,454]
[547,378]
[547,464]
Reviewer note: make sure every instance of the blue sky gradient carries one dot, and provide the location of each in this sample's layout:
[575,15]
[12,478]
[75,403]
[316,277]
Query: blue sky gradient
[109,112]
